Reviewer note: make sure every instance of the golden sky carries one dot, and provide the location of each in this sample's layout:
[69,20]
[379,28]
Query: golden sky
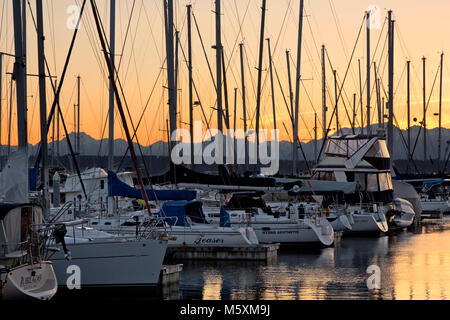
[422,29]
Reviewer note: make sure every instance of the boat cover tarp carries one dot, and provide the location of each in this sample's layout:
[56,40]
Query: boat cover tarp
[180,174]
[118,188]
[406,191]
[177,211]
[14,178]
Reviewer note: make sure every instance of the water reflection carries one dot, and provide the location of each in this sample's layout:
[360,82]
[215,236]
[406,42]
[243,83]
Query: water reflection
[414,265]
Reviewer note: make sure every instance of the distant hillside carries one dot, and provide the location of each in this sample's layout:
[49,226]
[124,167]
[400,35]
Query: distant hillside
[93,147]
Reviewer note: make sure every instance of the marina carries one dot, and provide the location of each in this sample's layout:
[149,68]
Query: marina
[170,150]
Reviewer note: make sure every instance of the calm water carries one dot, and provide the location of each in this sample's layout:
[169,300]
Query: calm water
[413,266]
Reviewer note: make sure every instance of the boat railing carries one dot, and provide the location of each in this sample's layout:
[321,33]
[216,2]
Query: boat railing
[15,253]
[155,228]
[66,206]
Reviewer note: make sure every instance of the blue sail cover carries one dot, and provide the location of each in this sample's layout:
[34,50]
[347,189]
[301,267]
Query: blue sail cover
[176,212]
[224,218]
[118,188]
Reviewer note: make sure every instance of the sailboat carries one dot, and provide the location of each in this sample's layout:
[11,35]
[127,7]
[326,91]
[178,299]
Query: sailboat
[23,271]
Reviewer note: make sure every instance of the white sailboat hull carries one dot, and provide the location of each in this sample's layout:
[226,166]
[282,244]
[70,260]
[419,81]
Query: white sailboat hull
[368,223]
[36,281]
[435,206]
[115,262]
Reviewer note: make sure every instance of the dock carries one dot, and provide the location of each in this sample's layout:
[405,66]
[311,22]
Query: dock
[266,252]
[170,274]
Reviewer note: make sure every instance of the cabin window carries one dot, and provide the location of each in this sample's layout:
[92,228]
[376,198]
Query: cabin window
[385,181]
[102,184]
[372,183]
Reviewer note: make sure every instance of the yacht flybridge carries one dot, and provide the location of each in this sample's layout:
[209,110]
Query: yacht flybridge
[366,161]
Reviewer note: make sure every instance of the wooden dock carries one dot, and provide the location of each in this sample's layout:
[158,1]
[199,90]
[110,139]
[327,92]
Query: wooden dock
[170,274]
[267,252]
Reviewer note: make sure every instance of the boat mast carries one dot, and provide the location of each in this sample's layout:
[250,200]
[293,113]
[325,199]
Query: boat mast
[408,103]
[291,94]
[271,86]
[168,15]
[78,116]
[354,113]
[20,76]
[261,54]
[391,139]
[297,87]
[368,72]
[324,96]
[20,72]
[244,104]
[440,113]
[360,97]
[1,69]
[218,48]
[43,109]
[315,137]
[112,45]
[191,111]
[336,101]
[424,122]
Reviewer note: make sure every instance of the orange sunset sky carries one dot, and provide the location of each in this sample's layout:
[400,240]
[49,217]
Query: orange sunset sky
[422,29]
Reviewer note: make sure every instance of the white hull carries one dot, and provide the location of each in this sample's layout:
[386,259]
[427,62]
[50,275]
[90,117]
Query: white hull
[369,223]
[194,235]
[341,223]
[269,229]
[36,281]
[435,206]
[307,233]
[113,262]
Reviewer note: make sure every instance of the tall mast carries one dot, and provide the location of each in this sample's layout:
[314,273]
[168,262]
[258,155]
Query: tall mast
[368,72]
[291,94]
[261,53]
[234,123]
[271,85]
[20,74]
[168,15]
[354,113]
[218,48]
[391,86]
[377,90]
[225,93]
[408,103]
[297,86]
[112,45]
[244,104]
[1,84]
[424,123]
[10,114]
[43,109]
[315,137]
[324,96]
[440,113]
[360,97]
[336,101]
[78,116]
[191,111]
